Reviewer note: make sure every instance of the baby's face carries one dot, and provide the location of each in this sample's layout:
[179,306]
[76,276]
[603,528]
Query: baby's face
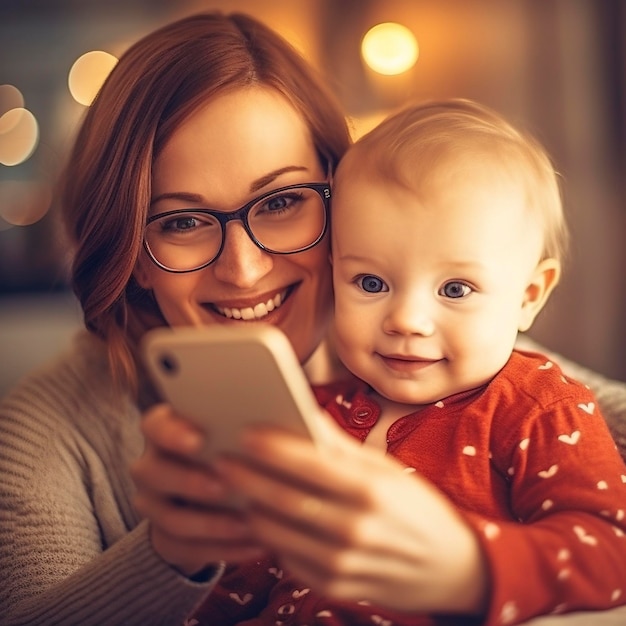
[431,283]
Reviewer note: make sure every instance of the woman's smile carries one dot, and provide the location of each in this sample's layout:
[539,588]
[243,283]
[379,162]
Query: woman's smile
[259,309]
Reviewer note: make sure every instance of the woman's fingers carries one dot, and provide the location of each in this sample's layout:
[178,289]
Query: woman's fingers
[192,521]
[351,522]
[168,467]
[191,556]
[170,433]
[340,469]
[172,477]
[283,498]
[188,535]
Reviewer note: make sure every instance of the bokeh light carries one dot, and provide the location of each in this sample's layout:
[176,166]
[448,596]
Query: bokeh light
[88,74]
[24,202]
[19,135]
[390,48]
[10,98]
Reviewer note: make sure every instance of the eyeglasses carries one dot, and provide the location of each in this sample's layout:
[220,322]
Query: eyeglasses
[283,221]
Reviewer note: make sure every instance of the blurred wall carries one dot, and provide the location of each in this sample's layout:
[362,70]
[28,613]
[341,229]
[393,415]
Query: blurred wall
[555,67]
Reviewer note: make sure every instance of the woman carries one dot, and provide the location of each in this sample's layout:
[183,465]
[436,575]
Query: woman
[210,112]
[73,549]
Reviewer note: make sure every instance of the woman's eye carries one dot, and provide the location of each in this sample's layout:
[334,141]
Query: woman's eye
[455,289]
[187,222]
[372,284]
[278,203]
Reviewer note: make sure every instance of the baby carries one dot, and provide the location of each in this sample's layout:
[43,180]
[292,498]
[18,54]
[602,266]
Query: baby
[447,240]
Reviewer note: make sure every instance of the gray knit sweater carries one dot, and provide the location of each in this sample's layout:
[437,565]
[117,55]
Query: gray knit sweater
[72,549]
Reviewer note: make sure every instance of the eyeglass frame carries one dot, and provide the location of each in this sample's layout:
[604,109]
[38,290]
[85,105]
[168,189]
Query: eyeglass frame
[241,215]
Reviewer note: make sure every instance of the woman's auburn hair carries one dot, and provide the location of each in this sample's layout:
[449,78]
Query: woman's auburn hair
[106,188]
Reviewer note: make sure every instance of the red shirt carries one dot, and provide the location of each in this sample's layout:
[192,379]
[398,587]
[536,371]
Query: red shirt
[529,461]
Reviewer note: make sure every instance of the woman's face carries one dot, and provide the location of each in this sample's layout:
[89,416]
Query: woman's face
[237,147]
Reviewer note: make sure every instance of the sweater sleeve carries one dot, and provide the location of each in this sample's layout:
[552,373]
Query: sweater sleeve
[71,548]
[568,490]
[126,584]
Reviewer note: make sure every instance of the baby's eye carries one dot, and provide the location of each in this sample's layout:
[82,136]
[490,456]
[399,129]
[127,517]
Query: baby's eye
[455,289]
[371,284]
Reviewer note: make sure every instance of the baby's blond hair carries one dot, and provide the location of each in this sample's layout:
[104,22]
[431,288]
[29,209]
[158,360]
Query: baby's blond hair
[404,148]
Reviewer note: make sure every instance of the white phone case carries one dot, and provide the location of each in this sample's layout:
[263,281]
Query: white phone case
[224,378]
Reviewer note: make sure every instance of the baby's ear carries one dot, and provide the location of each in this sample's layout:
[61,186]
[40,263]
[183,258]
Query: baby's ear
[544,279]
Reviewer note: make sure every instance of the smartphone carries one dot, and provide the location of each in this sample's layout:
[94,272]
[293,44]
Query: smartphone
[225,378]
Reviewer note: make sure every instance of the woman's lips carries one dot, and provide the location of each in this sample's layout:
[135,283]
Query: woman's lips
[255,311]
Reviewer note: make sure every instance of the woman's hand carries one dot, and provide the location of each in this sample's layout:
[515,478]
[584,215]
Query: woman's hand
[353,524]
[191,525]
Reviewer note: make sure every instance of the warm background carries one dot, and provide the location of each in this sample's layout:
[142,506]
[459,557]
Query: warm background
[555,67]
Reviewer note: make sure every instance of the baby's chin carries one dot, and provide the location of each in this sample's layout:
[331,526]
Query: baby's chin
[387,396]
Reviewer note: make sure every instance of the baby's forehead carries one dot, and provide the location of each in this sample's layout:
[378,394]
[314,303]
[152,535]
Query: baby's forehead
[417,165]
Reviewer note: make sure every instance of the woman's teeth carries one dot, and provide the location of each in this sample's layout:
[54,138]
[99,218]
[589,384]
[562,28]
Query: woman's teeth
[253,313]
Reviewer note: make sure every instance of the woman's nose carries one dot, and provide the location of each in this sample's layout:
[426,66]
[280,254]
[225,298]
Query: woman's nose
[242,263]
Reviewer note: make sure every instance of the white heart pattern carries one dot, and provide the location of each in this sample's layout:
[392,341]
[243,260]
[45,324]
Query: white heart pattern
[299,593]
[523,444]
[602,485]
[572,439]
[564,573]
[551,471]
[324,614]
[243,600]
[563,555]
[584,536]
[509,613]
[469,450]
[339,400]
[377,619]
[439,404]
[276,572]
[588,408]
[491,530]
[546,366]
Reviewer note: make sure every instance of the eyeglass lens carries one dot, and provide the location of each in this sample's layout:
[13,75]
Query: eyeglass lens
[286,221]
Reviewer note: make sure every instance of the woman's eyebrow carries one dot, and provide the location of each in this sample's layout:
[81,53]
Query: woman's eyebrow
[259,183]
[178,195]
[255,185]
